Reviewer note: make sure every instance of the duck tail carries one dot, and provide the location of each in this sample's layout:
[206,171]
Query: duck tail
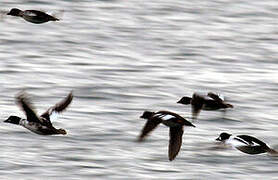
[54,19]
[272,152]
[57,16]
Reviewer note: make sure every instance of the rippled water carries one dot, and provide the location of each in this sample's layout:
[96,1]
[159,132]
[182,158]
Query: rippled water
[123,57]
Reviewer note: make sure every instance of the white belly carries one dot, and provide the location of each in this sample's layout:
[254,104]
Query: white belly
[32,126]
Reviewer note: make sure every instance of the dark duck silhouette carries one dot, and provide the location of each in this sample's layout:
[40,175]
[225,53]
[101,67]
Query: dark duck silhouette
[33,16]
[245,143]
[170,119]
[210,102]
[39,124]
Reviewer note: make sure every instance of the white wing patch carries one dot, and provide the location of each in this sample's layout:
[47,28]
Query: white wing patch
[54,116]
[164,117]
[208,98]
[255,144]
[221,96]
[28,13]
[167,117]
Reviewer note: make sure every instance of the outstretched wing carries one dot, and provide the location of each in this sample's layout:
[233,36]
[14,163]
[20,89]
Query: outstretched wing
[150,125]
[175,142]
[26,106]
[53,111]
[197,103]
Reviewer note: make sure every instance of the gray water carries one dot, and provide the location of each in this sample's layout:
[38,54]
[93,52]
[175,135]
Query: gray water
[123,57]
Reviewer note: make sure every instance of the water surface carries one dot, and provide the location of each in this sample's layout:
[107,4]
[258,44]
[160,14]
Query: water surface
[123,57]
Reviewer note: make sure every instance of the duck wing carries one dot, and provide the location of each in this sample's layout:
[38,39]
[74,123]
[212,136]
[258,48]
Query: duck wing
[197,103]
[215,97]
[39,14]
[150,125]
[175,142]
[52,112]
[253,145]
[26,106]
[252,141]
[32,13]
[166,115]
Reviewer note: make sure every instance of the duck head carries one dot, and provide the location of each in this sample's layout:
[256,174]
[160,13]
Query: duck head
[185,100]
[13,120]
[14,12]
[223,136]
[147,114]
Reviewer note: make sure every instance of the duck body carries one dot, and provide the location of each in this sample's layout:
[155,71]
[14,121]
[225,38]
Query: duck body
[246,144]
[33,126]
[36,127]
[33,16]
[39,124]
[172,120]
[211,105]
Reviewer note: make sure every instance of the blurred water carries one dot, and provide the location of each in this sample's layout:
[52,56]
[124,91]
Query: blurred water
[123,57]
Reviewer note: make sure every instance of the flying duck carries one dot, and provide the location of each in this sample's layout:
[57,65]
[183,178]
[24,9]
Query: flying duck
[170,119]
[39,124]
[210,102]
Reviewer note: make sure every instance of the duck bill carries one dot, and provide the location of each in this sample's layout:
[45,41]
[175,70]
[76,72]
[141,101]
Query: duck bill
[218,139]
